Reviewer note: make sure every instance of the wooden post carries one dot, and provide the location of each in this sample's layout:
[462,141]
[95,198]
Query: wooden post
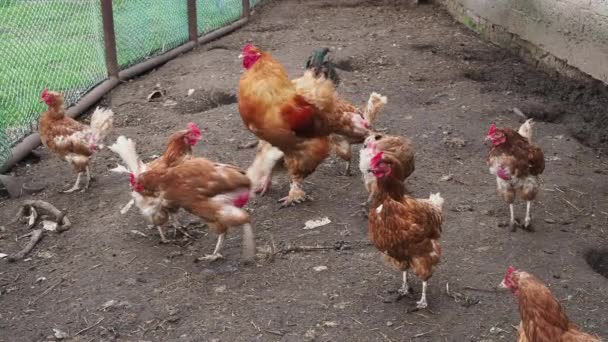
[192,21]
[246,9]
[109,38]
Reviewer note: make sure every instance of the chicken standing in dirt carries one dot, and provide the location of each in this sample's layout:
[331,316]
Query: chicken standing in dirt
[517,165]
[71,140]
[267,156]
[178,150]
[297,119]
[399,147]
[212,191]
[542,317]
[405,229]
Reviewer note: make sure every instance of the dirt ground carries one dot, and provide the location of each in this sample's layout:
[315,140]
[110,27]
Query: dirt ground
[444,86]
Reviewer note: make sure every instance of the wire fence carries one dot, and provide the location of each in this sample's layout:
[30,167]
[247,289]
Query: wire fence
[59,44]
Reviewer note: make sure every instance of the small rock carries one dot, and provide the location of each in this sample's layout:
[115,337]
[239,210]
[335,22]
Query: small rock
[220,289]
[60,335]
[389,324]
[109,304]
[446,178]
[330,324]
[2,255]
[320,268]
[462,208]
[312,224]
[550,221]
[40,279]
[190,92]
[454,142]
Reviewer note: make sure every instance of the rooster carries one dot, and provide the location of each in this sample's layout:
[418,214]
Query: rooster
[179,149]
[542,317]
[405,229]
[400,147]
[212,191]
[302,154]
[517,165]
[71,140]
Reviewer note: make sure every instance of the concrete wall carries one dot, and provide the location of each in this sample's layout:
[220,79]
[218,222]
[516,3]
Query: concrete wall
[559,33]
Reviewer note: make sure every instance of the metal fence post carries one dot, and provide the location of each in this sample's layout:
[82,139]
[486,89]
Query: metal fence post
[109,38]
[192,21]
[246,9]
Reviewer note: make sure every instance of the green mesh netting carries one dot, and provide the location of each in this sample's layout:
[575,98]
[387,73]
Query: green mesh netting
[55,44]
[215,14]
[147,28]
[58,44]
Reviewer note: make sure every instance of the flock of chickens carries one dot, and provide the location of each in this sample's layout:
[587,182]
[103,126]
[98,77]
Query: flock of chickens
[299,123]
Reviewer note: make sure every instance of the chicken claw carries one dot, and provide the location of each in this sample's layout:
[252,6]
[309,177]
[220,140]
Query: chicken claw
[296,196]
[264,186]
[216,252]
[405,289]
[75,187]
[211,257]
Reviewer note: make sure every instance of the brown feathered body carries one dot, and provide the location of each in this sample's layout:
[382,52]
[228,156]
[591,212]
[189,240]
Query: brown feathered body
[69,139]
[399,147]
[176,152]
[543,319]
[406,230]
[517,165]
[296,117]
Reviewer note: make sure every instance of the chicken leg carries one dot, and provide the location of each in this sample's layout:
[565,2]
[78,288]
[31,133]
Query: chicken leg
[87,180]
[512,219]
[76,185]
[163,239]
[405,288]
[296,194]
[421,304]
[528,219]
[216,253]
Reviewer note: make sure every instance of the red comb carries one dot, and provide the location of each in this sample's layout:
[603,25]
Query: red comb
[45,93]
[132,179]
[193,128]
[248,47]
[510,270]
[492,129]
[377,158]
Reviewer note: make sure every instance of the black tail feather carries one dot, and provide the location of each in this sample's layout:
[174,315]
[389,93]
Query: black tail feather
[319,63]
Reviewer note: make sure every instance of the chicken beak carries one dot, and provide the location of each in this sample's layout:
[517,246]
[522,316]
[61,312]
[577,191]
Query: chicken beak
[241,56]
[502,285]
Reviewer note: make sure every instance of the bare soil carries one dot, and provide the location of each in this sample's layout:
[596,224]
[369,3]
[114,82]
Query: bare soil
[445,87]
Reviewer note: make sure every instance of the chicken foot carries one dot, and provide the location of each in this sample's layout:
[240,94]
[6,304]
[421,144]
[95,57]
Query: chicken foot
[421,304]
[405,288]
[163,239]
[296,195]
[178,226]
[76,185]
[216,253]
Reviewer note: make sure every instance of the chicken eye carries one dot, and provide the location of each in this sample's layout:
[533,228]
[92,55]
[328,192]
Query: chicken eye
[378,137]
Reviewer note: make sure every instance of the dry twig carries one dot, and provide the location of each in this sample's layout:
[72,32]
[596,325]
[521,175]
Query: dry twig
[36,236]
[89,327]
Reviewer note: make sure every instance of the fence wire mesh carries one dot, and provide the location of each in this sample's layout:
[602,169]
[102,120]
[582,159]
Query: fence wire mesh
[214,14]
[55,44]
[58,44]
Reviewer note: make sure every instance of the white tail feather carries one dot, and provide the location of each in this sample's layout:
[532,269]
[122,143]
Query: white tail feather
[375,103]
[265,160]
[101,123]
[248,241]
[525,130]
[436,199]
[125,148]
